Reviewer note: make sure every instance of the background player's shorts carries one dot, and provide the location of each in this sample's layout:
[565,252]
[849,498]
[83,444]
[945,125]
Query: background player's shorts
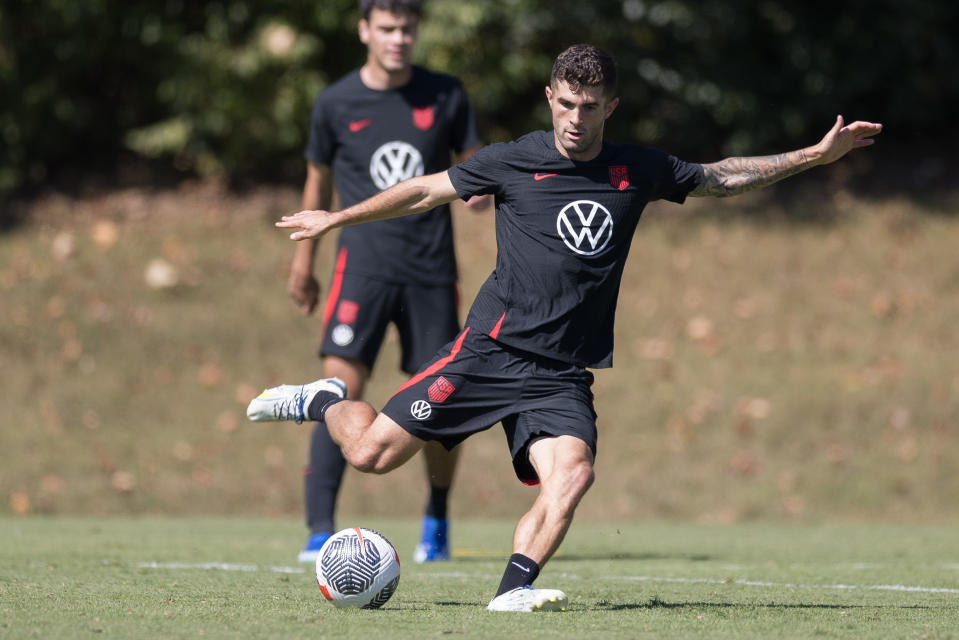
[475,382]
[359,309]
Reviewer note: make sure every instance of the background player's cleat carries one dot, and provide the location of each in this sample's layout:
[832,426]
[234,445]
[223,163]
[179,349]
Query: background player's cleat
[312,548]
[290,401]
[434,544]
[529,599]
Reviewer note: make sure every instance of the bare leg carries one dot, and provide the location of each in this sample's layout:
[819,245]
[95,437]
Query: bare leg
[352,372]
[371,443]
[565,468]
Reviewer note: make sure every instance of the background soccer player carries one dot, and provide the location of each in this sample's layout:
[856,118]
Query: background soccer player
[378,125]
[567,205]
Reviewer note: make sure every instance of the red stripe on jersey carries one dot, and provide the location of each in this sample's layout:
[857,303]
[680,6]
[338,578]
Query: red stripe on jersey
[439,364]
[335,287]
[499,323]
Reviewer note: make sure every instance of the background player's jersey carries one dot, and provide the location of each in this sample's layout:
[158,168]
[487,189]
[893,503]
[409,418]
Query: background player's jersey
[563,231]
[374,139]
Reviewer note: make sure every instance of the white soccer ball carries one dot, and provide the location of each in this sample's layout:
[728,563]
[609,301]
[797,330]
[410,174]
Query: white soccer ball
[359,568]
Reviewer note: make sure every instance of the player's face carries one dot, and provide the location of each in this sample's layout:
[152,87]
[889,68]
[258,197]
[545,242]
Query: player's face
[389,38]
[579,118]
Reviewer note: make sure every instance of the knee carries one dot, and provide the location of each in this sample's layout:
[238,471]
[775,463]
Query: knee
[366,461]
[581,477]
[570,486]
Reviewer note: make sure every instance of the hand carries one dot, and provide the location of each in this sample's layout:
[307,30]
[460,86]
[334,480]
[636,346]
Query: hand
[305,291]
[842,139]
[311,224]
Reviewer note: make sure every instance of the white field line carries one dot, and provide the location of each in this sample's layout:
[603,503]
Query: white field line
[225,566]
[222,566]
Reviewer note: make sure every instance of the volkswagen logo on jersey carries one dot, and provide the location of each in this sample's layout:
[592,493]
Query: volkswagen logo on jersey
[585,226]
[395,162]
[421,409]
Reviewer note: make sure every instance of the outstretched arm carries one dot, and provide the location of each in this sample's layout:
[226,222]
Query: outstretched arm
[733,176]
[410,196]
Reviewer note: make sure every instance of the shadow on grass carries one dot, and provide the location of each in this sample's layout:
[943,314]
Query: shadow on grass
[487,556]
[580,557]
[656,603]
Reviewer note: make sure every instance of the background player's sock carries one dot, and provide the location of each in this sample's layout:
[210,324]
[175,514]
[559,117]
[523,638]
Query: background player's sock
[321,481]
[520,571]
[437,504]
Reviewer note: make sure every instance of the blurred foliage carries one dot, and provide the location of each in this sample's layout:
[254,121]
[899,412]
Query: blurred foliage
[225,87]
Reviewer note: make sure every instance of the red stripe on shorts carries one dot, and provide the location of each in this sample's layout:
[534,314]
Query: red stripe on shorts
[335,287]
[439,364]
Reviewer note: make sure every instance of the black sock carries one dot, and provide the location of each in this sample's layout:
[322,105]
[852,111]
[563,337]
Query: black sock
[322,401]
[520,571]
[321,481]
[436,506]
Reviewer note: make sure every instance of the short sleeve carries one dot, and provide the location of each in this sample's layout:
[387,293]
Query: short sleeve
[321,142]
[677,178]
[464,134]
[481,174]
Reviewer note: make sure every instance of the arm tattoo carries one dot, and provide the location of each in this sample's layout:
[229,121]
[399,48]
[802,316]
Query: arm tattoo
[733,176]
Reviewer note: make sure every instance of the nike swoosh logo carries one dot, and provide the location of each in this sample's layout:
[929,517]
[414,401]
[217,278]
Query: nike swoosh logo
[526,569]
[542,176]
[359,125]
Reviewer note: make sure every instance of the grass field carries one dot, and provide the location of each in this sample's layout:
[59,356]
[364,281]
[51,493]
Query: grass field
[233,578]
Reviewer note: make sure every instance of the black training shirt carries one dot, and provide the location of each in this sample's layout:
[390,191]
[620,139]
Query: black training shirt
[563,231]
[372,140]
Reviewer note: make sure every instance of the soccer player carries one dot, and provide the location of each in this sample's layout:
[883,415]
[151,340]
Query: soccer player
[382,123]
[567,204]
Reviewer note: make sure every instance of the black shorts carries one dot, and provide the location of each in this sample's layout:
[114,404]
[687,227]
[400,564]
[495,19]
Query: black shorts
[475,382]
[359,309]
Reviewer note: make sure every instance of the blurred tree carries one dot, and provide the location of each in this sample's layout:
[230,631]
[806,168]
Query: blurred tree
[226,86]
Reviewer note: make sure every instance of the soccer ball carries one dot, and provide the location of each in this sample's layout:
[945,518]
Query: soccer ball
[357,568]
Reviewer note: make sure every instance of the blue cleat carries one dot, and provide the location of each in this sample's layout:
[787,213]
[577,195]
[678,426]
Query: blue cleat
[312,548]
[434,544]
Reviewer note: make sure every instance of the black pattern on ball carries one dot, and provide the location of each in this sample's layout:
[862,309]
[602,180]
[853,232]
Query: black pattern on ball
[385,594]
[350,566]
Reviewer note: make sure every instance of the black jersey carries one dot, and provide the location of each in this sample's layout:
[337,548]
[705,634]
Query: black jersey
[373,139]
[563,231]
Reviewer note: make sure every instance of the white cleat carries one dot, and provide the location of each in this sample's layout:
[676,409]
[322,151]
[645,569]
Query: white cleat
[290,401]
[529,599]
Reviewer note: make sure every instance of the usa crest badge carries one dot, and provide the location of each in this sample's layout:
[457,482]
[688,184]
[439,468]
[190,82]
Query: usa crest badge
[423,117]
[619,177]
[347,311]
[440,390]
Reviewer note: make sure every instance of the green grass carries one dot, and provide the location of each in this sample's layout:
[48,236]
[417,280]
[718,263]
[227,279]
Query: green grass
[151,578]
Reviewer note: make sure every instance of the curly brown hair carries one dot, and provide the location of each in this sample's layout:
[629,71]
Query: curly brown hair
[585,65]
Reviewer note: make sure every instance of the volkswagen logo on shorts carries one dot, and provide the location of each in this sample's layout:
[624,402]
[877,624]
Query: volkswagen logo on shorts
[421,409]
[585,226]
